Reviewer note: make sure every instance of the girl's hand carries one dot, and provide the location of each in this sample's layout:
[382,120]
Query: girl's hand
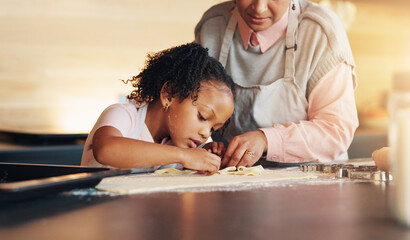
[245,149]
[217,148]
[201,160]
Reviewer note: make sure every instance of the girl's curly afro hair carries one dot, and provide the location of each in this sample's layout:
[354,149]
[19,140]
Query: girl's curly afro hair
[182,68]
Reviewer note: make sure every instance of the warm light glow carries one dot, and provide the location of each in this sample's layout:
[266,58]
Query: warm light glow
[61,63]
[79,116]
[344,9]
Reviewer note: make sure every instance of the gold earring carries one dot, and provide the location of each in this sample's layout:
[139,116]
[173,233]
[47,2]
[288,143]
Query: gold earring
[293,6]
[165,108]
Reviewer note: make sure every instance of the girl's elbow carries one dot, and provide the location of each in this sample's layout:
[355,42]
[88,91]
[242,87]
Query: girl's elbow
[102,153]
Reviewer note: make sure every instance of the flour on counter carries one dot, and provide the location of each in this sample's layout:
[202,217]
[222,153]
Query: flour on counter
[137,183]
[142,183]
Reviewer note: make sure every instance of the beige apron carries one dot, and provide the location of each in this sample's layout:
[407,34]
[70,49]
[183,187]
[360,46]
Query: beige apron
[279,101]
[275,101]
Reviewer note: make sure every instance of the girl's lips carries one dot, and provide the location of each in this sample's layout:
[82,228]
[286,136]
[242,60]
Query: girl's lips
[192,144]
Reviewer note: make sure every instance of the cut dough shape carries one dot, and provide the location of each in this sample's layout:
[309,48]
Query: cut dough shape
[227,170]
[250,171]
[246,171]
[151,182]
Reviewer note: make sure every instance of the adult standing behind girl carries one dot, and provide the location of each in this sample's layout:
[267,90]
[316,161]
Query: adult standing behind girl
[181,97]
[294,73]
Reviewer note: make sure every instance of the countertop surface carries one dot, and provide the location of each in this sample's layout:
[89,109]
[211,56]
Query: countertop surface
[304,210]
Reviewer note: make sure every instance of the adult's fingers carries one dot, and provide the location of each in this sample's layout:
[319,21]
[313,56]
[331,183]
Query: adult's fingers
[237,156]
[248,159]
[229,153]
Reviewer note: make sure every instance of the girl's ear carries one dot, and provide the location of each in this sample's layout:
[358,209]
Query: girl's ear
[166,98]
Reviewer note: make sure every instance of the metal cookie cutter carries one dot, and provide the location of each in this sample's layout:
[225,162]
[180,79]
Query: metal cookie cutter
[342,170]
[370,175]
[312,168]
[349,171]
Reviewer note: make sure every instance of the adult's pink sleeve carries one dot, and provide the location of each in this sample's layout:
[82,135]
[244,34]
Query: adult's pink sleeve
[328,132]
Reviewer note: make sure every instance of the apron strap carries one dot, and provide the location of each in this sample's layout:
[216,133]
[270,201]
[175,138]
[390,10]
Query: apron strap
[228,36]
[291,46]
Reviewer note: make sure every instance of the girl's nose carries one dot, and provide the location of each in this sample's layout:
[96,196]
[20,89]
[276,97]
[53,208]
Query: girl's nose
[260,6]
[205,132]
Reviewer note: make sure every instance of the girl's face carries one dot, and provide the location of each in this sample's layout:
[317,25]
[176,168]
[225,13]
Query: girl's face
[191,123]
[261,14]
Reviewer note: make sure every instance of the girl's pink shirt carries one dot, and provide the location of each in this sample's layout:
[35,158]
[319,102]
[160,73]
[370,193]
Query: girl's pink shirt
[331,111]
[122,117]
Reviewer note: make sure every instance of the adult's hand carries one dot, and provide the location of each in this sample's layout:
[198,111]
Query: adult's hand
[245,149]
[381,158]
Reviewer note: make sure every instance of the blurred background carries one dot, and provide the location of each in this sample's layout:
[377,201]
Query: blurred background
[61,61]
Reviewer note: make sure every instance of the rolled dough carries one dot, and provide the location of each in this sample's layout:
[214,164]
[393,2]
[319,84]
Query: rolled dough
[154,182]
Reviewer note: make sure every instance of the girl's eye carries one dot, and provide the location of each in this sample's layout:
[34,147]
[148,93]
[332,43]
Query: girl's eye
[201,117]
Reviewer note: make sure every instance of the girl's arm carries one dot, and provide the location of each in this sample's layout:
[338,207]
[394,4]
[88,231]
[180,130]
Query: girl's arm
[111,148]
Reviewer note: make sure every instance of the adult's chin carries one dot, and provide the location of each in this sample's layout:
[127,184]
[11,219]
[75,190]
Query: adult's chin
[259,27]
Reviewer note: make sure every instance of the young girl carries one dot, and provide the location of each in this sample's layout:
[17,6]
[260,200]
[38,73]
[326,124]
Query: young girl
[181,96]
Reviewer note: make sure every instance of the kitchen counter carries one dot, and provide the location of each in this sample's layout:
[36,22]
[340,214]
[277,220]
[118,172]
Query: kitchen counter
[336,210]
[59,149]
